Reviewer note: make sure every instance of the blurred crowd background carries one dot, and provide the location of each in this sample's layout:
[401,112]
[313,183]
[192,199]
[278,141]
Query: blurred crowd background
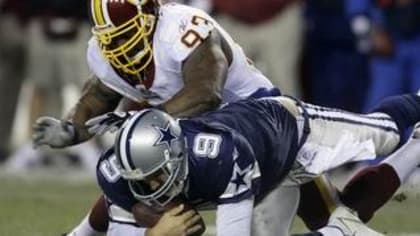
[342,53]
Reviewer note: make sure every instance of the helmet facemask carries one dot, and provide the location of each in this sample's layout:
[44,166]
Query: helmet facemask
[128,46]
[152,155]
[169,182]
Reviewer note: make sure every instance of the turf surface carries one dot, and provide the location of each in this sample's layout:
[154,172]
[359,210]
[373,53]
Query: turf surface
[49,207]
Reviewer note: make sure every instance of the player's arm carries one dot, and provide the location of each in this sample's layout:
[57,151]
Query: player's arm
[204,73]
[96,99]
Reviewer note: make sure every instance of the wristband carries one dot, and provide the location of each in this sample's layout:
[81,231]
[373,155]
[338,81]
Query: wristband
[70,128]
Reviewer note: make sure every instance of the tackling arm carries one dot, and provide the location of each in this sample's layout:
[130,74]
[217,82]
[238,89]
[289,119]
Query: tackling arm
[204,73]
[96,99]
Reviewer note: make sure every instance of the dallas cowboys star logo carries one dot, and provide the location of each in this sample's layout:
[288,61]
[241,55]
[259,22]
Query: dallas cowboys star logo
[239,180]
[165,136]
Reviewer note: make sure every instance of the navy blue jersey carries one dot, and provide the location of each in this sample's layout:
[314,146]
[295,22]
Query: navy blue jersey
[112,184]
[243,149]
[262,129]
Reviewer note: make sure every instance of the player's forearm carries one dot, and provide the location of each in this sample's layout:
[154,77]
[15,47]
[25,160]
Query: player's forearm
[192,103]
[83,112]
[96,99]
[203,89]
[205,73]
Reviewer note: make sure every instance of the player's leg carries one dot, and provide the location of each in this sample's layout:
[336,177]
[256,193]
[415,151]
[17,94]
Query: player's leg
[343,222]
[328,126]
[375,125]
[373,186]
[122,222]
[369,189]
[337,136]
[337,130]
[108,218]
[318,199]
[378,183]
[118,229]
[274,215]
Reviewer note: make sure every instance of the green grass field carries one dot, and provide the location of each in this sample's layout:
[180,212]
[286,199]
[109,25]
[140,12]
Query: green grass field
[42,206]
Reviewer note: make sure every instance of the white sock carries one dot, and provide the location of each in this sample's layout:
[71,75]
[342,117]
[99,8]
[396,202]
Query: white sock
[84,229]
[406,159]
[331,231]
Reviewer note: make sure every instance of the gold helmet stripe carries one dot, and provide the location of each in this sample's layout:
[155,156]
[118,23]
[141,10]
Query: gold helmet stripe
[98,14]
[134,2]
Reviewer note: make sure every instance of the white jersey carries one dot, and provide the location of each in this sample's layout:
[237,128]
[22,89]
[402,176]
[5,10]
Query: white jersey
[179,31]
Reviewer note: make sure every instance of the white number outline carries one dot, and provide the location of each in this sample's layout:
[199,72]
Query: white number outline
[207,145]
[109,169]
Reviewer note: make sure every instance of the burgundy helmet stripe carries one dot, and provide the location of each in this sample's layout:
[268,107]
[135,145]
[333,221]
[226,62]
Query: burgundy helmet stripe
[122,11]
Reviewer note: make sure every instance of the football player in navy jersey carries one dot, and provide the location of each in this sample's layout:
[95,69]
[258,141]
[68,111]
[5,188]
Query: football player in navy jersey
[235,156]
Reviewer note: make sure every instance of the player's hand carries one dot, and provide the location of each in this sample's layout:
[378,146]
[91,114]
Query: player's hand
[110,121]
[177,223]
[53,132]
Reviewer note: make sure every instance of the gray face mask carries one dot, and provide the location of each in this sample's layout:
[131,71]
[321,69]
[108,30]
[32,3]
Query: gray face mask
[170,185]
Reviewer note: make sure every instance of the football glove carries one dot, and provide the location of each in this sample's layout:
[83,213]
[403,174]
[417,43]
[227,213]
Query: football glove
[110,121]
[53,132]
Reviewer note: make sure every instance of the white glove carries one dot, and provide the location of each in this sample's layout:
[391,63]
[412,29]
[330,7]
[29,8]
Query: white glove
[110,121]
[53,132]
